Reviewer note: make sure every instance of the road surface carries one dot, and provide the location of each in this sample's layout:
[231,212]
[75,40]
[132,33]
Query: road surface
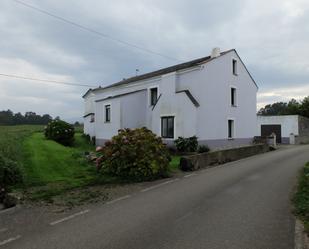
[239,205]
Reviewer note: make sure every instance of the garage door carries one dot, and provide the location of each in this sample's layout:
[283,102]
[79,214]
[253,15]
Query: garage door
[266,130]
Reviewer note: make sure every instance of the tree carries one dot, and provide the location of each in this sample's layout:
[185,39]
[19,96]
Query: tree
[293,107]
[9,118]
[304,107]
[278,108]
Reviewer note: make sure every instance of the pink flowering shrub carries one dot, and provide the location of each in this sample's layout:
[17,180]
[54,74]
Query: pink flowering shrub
[134,154]
[60,131]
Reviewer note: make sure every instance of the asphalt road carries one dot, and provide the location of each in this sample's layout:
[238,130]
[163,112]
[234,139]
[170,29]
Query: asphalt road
[241,205]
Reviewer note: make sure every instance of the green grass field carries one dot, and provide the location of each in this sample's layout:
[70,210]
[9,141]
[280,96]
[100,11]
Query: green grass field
[49,168]
[12,137]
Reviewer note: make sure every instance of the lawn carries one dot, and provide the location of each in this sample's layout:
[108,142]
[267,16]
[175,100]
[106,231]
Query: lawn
[174,164]
[48,168]
[301,198]
[12,137]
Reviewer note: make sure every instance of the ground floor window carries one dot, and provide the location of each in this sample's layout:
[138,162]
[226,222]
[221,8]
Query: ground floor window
[230,128]
[167,127]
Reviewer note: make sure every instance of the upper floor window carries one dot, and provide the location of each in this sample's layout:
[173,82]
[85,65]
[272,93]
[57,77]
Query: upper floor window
[233,96]
[234,65]
[167,127]
[153,96]
[107,113]
[231,129]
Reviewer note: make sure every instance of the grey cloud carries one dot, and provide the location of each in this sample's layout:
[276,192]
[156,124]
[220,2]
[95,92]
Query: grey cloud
[270,37]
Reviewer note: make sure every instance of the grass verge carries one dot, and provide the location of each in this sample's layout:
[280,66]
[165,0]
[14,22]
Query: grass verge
[301,198]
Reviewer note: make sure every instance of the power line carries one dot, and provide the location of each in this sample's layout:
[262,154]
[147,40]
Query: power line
[45,80]
[94,31]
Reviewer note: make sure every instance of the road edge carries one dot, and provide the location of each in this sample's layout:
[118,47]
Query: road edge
[301,239]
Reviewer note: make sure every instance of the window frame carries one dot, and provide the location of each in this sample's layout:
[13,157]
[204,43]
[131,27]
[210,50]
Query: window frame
[233,97]
[151,96]
[107,119]
[167,117]
[231,129]
[234,66]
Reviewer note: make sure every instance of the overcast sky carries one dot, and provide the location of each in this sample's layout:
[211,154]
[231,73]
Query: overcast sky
[271,36]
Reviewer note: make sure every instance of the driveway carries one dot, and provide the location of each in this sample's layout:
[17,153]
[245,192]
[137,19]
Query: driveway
[239,205]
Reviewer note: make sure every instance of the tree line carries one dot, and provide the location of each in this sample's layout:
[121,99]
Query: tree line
[293,107]
[10,118]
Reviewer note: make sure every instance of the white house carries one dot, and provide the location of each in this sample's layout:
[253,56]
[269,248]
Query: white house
[213,98]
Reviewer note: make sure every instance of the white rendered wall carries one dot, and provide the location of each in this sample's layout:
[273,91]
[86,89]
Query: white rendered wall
[211,87]
[209,84]
[89,127]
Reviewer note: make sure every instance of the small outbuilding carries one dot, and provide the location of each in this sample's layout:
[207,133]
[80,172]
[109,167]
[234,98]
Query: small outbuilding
[289,129]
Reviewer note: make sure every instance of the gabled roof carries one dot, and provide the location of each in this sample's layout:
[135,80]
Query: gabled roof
[166,70]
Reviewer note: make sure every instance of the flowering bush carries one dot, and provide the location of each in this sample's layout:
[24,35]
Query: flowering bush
[9,175]
[189,144]
[136,155]
[60,131]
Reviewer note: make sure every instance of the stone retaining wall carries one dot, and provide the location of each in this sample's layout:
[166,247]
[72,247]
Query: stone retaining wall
[204,160]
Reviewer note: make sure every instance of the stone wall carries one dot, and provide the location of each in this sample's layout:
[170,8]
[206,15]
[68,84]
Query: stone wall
[303,130]
[303,126]
[204,160]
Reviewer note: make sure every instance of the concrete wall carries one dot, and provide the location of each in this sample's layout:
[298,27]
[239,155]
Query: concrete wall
[203,160]
[303,126]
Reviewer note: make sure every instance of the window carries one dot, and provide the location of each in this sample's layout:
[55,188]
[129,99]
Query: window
[107,113]
[233,96]
[153,96]
[91,118]
[234,62]
[230,128]
[167,127]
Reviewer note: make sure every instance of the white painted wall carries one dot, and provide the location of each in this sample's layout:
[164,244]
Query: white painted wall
[89,127]
[289,124]
[133,110]
[209,84]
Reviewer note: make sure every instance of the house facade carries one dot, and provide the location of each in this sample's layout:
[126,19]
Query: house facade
[213,98]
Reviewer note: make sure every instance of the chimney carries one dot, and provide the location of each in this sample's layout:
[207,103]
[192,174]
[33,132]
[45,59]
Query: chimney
[215,52]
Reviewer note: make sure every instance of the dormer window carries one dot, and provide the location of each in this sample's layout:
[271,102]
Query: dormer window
[234,65]
[153,96]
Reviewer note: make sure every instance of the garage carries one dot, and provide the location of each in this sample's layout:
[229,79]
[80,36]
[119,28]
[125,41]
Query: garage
[267,130]
[285,127]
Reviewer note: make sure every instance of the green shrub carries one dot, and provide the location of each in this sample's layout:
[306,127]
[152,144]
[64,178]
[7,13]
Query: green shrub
[135,155]
[60,131]
[186,144]
[9,175]
[203,149]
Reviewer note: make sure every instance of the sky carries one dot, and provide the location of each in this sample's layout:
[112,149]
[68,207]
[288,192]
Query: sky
[271,36]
